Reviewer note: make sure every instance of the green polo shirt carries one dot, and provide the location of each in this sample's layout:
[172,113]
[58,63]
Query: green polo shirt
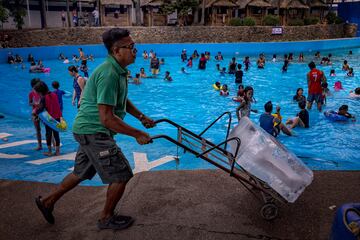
[107,85]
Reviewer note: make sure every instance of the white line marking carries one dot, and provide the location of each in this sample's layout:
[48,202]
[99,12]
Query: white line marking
[4,135]
[69,156]
[142,163]
[12,156]
[18,143]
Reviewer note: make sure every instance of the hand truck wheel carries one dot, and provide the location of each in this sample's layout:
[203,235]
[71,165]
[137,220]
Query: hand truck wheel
[269,211]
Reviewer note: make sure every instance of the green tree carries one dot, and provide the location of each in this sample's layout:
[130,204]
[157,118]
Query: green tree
[17,12]
[4,14]
[182,7]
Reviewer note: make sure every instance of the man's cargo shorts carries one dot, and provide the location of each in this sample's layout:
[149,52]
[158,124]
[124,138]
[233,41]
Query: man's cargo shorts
[98,153]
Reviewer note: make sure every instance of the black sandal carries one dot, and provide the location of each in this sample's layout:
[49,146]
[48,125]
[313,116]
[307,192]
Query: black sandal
[46,212]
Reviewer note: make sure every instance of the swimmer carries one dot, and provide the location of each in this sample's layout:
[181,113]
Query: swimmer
[343,111]
[239,74]
[317,55]
[325,92]
[66,61]
[247,63]
[345,66]
[301,119]
[142,73]
[355,93]
[274,58]
[261,61]
[162,61]
[223,71]
[195,54]
[301,57]
[136,79]
[183,55]
[244,108]
[218,67]
[219,57]
[291,57]
[271,123]
[232,66]
[332,73]
[350,72]
[299,97]
[224,90]
[286,64]
[183,71]
[167,76]
[30,58]
[190,62]
[145,55]
[338,86]
[61,56]
[217,86]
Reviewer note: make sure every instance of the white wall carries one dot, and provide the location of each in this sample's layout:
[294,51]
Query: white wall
[53,20]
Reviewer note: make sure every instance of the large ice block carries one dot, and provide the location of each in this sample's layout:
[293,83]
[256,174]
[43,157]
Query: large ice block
[264,157]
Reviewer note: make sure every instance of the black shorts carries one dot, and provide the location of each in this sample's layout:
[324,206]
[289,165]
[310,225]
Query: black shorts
[98,153]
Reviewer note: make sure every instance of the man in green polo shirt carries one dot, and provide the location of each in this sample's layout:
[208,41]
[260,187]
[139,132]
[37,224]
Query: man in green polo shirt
[103,107]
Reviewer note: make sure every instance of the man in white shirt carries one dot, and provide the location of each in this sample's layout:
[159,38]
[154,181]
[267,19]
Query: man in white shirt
[96,16]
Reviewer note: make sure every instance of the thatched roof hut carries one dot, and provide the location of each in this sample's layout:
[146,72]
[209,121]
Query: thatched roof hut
[243,3]
[220,3]
[259,3]
[318,4]
[116,2]
[295,4]
[151,3]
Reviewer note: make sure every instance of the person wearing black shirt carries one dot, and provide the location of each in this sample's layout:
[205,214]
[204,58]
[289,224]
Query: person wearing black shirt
[239,74]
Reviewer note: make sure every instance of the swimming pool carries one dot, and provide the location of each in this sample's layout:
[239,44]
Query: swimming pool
[191,101]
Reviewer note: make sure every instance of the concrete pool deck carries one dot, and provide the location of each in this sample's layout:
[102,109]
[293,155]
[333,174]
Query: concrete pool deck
[201,204]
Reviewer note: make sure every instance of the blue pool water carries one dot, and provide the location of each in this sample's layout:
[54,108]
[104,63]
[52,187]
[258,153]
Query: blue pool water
[191,101]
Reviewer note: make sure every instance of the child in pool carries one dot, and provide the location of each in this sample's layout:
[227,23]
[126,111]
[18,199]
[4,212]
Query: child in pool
[345,66]
[247,63]
[136,79]
[274,58]
[356,92]
[145,55]
[332,73]
[223,71]
[301,119]
[301,57]
[244,108]
[325,92]
[224,90]
[190,63]
[338,86]
[183,71]
[271,123]
[299,97]
[343,111]
[350,72]
[167,76]
[84,68]
[217,86]
[142,73]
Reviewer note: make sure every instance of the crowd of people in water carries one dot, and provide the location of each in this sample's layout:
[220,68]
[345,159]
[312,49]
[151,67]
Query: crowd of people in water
[41,98]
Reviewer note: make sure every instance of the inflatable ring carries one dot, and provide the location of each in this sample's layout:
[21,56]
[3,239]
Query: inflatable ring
[52,123]
[353,95]
[46,70]
[216,88]
[67,94]
[335,117]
